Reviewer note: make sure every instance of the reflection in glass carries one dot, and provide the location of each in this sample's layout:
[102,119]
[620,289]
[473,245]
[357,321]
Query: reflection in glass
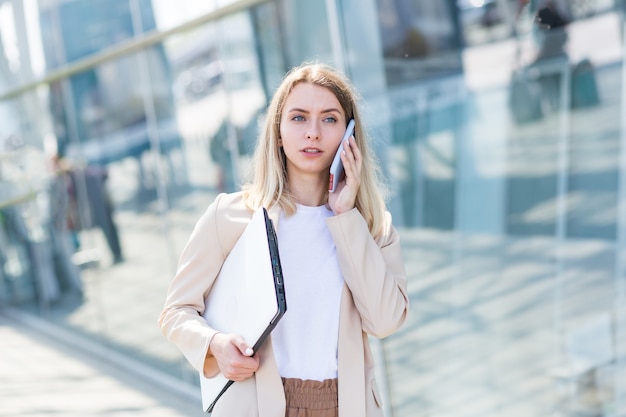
[512,267]
[420,39]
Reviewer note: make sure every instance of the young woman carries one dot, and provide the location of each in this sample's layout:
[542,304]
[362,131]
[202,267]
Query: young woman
[340,255]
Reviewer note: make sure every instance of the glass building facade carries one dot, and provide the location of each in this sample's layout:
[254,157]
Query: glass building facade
[500,126]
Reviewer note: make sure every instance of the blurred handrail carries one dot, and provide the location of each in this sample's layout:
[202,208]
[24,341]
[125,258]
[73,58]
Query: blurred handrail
[31,194]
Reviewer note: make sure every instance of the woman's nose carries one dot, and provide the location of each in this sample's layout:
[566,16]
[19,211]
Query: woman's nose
[312,131]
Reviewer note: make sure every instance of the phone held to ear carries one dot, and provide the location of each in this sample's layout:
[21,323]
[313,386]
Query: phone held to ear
[336,168]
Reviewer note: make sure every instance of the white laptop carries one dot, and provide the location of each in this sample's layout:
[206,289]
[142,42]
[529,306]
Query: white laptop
[248,297]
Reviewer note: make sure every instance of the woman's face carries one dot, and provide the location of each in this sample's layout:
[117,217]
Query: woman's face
[311,127]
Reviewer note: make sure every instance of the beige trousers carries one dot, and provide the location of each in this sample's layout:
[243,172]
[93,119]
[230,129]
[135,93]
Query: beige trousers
[311,398]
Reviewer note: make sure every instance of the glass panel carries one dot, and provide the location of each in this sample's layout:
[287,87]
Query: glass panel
[419,39]
[26,265]
[508,180]
[296,26]
[20,43]
[487,21]
[123,159]
[270,45]
[245,98]
[169,14]
[619,391]
[37,269]
[76,29]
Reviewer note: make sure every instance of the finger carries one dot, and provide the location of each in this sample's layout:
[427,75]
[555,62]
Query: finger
[350,160]
[357,157]
[241,368]
[353,150]
[238,375]
[243,347]
[356,152]
[348,146]
[242,361]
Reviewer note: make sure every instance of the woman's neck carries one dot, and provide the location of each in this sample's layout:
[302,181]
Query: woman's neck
[308,193]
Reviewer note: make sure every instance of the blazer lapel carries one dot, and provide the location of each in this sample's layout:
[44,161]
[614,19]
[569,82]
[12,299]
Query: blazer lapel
[269,386]
[351,381]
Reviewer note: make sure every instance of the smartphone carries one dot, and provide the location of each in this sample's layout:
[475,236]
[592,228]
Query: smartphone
[336,168]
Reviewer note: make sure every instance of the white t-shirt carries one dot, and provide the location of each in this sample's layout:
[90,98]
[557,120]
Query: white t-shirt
[305,339]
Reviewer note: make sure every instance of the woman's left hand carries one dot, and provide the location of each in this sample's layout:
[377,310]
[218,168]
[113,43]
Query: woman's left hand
[344,197]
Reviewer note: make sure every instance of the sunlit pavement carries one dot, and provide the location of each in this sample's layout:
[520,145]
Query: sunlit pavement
[40,377]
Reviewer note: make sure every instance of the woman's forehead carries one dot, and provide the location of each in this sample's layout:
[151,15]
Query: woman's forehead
[311,95]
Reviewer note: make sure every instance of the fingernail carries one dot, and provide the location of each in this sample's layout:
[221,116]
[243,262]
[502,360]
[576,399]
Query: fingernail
[249,352]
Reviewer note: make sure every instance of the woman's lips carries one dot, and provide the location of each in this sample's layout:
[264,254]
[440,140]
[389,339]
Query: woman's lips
[311,151]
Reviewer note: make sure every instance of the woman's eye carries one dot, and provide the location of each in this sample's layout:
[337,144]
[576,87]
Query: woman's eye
[330,120]
[298,118]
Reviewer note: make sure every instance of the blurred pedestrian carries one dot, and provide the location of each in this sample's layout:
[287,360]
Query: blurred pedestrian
[61,237]
[98,209]
[552,58]
[340,254]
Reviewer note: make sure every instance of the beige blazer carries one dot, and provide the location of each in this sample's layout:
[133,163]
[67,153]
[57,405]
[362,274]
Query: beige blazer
[374,302]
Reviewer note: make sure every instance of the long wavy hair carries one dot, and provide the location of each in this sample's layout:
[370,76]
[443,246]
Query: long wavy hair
[267,182]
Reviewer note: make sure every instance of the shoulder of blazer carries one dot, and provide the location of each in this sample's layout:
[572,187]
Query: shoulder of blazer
[231,218]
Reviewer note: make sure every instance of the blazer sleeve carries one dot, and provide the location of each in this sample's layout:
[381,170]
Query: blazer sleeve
[373,271]
[181,319]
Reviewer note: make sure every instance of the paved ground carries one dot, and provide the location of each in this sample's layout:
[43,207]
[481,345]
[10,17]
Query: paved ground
[42,377]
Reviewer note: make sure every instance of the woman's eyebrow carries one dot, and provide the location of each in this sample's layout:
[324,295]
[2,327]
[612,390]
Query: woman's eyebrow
[296,109]
[331,110]
[299,110]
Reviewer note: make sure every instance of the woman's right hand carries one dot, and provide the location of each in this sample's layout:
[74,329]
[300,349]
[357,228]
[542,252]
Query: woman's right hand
[233,356]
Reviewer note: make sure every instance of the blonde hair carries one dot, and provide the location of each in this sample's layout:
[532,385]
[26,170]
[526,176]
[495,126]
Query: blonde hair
[267,185]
